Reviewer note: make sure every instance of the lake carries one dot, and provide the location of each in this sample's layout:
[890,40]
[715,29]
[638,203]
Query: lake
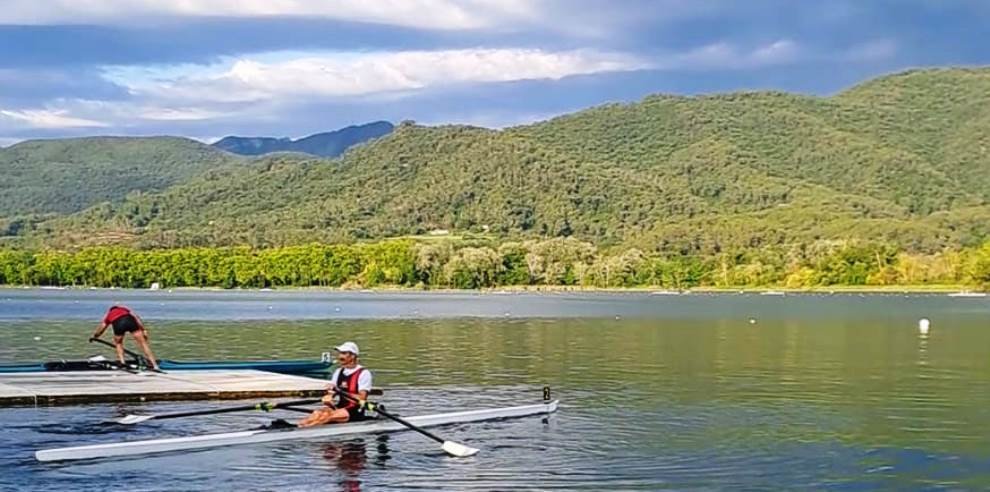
[711,391]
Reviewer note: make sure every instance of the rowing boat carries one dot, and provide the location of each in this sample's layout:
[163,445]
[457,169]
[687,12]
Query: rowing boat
[100,363]
[135,448]
[297,367]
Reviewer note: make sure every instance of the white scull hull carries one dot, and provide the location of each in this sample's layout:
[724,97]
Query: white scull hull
[134,448]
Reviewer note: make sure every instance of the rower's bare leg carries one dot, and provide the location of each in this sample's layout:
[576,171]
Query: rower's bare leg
[323,416]
[142,341]
[118,345]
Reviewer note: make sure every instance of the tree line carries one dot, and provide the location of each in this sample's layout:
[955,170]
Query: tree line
[483,263]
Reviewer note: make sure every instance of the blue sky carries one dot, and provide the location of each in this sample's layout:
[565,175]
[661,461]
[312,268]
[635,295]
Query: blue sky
[209,68]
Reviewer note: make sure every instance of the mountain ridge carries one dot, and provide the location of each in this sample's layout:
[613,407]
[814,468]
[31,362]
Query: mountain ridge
[325,144]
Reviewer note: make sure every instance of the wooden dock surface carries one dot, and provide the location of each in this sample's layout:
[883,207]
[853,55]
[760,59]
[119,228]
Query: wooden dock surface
[66,388]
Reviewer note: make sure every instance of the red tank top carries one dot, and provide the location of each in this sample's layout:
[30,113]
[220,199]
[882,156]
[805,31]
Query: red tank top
[115,313]
[348,384]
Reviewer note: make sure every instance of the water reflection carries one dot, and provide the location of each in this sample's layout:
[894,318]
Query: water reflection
[923,348]
[350,459]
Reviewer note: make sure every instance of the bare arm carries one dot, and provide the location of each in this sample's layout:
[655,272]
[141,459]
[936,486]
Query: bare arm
[362,396]
[99,330]
[328,398]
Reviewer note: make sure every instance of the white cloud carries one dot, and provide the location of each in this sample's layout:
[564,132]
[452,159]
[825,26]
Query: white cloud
[348,74]
[265,87]
[82,114]
[430,14]
[49,119]
[262,86]
[783,51]
[160,113]
[729,56]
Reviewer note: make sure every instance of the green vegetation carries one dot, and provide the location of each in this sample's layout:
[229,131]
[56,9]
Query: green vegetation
[472,264]
[68,175]
[885,183]
[902,160]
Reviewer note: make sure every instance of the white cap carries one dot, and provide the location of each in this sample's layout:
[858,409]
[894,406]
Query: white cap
[348,347]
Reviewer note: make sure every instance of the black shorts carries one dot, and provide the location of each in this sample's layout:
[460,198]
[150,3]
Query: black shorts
[356,414]
[125,324]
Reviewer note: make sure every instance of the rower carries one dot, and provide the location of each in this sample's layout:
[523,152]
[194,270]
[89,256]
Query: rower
[124,321]
[349,378]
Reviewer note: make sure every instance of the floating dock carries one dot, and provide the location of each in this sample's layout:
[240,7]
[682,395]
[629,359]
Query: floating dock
[68,388]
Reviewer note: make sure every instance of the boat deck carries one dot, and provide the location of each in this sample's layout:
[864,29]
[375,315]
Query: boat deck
[67,388]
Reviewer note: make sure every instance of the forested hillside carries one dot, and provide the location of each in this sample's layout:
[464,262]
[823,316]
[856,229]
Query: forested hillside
[68,175]
[901,159]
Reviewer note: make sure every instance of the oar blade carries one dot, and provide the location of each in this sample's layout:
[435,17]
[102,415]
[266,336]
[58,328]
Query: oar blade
[459,450]
[135,419]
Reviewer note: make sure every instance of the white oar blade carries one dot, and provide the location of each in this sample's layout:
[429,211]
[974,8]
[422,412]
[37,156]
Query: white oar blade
[134,419]
[458,450]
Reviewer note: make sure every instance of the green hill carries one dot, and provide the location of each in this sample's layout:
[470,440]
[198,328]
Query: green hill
[901,158]
[69,175]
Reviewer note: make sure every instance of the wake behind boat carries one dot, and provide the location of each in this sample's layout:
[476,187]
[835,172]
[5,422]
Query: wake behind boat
[206,441]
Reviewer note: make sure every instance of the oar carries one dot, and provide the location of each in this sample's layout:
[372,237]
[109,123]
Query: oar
[297,409]
[140,358]
[450,447]
[128,352]
[266,406]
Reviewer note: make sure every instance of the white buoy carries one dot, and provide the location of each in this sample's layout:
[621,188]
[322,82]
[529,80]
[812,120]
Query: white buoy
[924,325]
[752,321]
[337,309]
[37,339]
[618,317]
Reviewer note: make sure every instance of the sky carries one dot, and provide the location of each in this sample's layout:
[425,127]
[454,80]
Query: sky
[210,68]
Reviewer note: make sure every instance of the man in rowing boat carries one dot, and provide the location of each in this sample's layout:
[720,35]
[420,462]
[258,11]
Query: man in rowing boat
[124,321]
[349,379]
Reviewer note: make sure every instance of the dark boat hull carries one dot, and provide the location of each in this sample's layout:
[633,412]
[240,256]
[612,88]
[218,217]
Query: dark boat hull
[297,367]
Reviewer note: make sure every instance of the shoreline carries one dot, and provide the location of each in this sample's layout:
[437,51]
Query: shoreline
[555,289]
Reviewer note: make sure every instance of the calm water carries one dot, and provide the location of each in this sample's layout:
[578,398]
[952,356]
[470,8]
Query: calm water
[658,392]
